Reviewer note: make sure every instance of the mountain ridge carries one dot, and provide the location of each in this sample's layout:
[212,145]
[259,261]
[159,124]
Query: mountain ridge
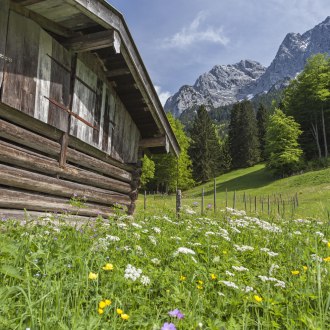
[227,84]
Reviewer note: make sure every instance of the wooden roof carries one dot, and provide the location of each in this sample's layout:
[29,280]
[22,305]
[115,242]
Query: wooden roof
[95,26]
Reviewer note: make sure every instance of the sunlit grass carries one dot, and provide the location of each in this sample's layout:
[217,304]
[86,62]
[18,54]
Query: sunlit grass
[225,271]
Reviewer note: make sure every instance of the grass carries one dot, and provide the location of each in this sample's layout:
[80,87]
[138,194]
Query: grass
[312,190]
[225,272]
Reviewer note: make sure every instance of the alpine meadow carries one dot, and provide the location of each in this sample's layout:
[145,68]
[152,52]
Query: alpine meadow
[128,202]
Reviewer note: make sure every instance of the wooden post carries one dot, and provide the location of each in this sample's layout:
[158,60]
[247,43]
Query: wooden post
[255,203]
[234,200]
[244,197]
[268,205]
[262,204]
[202,204]
[65,137]
[178,202]
[215,195]
[226,198]
[145,200]
[297,203]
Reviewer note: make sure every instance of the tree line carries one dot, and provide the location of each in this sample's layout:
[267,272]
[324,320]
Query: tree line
[288,136]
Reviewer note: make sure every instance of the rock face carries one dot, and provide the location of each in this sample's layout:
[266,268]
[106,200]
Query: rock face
[227,84]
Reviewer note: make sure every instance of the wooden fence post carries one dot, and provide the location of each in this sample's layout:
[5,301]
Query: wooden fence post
[215,195]
[234,200]
[255,203]
[268,205]
[244,197]
[178,202]
[226,198]
[202,205]
[145,200]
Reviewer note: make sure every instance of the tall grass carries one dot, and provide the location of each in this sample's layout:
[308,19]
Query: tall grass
[226,271]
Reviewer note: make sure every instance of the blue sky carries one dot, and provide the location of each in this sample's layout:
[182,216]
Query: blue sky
[181,39]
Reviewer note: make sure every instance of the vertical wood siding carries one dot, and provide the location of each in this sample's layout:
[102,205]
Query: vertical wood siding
[4,12]
[41,69]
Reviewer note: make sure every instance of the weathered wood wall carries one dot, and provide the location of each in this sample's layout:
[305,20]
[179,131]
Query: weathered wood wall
[37,82]
[37,111]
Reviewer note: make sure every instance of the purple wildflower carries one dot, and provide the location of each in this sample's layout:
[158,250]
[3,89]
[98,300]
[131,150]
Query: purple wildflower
[168,326]
[209,206]
[176,313]
[195,204]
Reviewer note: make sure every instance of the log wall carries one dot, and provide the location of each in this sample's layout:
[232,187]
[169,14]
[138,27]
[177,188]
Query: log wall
[63,129]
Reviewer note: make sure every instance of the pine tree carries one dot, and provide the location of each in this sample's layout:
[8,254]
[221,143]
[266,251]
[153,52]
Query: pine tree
[262,116]
[282,147]
[204,150]
[243,135]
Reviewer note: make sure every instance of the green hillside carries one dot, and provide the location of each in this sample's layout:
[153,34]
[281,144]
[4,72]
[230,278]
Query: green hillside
[312,190]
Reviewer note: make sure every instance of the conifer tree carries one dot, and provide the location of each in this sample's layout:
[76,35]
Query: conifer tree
[262,126]
[204,150]
[243,135]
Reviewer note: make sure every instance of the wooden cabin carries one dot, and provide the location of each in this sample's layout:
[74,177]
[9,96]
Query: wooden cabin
[77,108]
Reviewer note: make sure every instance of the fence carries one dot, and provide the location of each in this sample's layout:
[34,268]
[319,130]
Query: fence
[272,204]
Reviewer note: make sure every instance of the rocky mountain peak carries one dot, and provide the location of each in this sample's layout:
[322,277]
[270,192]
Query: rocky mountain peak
[227,84]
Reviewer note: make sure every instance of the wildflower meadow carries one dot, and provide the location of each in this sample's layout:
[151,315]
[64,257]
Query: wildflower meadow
[157,271]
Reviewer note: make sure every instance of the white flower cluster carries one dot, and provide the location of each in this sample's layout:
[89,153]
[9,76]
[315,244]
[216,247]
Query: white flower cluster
[194,244]
[315,257]
[229,273]
[145,280]
[302,221]
[224,234]
[240,268]
[176,238]
[153,240]
[121,225]
[136,225]
[112,238]
[270,253]
[235,212]
[248,289]
[209,233]
[230,284]
[183,250]
[156,230]
[189,211]
[272,279]
[243,248]
[155,261]
[132,273]
[318,233]
[272,268]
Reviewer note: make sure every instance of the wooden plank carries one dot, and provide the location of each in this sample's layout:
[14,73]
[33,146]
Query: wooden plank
[4,13]
[19,86]
[106,141]
[93,41]
[43,77]
[14,177]
[99,166]
[154,142]
[102,116]
[115,73]
[29,139]
[45,23]
[16,199]
[98,111]
[96,153]
[19,157]
[84,103]
[59,86]
[32,124]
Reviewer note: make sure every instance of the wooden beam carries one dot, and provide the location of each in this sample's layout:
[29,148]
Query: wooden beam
[45,23]
[16,199]
[15,177]
[161,141]
[93,41]
[115,73]
[19,157]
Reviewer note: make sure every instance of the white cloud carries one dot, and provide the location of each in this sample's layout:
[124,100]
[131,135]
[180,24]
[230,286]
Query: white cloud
[163,95]
[195,33]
